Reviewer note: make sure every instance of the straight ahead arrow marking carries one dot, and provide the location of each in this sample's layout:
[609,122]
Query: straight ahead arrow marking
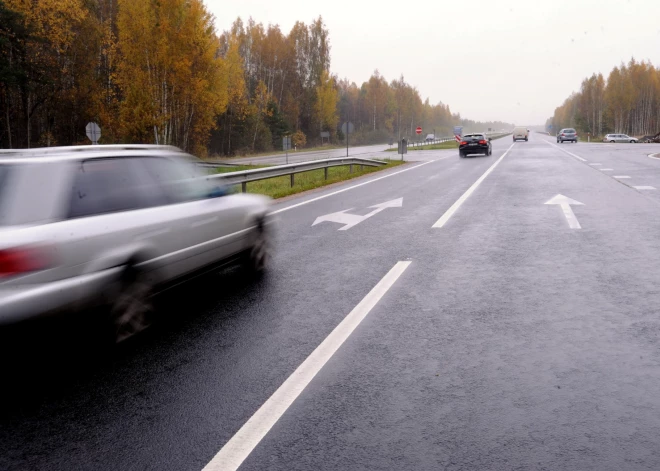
[565,203]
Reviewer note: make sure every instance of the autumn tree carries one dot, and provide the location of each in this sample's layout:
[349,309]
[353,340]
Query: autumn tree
[173,83]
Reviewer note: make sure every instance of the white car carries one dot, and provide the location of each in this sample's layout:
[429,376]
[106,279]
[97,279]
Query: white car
[110,225]
[620,138]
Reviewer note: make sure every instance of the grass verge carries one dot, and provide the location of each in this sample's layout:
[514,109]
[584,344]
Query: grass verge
[281,186]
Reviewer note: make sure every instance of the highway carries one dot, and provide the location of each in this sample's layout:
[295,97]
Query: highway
[487,313]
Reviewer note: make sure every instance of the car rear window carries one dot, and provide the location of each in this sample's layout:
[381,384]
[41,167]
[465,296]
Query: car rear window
[571,130]
[474,136]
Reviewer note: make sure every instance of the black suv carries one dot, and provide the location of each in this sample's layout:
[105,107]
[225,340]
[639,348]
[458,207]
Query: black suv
[475,144]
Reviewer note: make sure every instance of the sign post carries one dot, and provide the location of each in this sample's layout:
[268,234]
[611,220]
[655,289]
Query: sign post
[458,133]
[286,146]
[93,132]
[346,129]
[403,147]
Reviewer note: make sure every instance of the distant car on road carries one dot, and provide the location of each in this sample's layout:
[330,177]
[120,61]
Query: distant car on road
[108,226]
[567,134]
[620,138]
[430,137]
[520,133]
[475,144]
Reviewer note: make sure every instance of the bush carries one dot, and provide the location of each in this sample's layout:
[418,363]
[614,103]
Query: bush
[299,139]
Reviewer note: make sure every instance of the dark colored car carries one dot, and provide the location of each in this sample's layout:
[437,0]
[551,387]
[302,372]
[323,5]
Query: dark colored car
[475,144]
[567,134]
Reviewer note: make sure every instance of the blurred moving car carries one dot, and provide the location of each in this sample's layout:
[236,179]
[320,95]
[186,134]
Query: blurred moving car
[620,138]
[430,137]
[110,225]
[475,144]
[520,133]
[567,134]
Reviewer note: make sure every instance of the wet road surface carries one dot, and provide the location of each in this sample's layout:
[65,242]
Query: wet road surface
[509,341]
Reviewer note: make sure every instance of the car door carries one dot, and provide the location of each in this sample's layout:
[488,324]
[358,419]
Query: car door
[209,221]
[109,218]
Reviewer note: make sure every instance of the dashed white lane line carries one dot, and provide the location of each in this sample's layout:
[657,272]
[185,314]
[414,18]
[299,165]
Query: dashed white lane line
[456,206]
[239,447]
[621,177]
[595,165]
[643,187]
[281,210]
[606,169]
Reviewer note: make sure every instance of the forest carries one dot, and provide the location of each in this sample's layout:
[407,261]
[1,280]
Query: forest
[627,102]
[157,71]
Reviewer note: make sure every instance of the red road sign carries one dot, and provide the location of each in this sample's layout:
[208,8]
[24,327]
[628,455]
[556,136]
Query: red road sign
[418,130]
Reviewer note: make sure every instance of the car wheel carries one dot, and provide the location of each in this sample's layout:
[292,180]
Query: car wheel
[131,311]
[632,142]
[461,154]
[258,257]
[611,142]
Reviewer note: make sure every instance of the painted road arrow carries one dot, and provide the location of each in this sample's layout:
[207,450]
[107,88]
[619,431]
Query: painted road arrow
[350,220]
[566,204]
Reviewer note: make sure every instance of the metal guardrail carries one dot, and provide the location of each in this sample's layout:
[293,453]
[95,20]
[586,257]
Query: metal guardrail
[245,176]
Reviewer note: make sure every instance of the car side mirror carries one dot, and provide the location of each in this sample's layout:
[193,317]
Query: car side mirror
[217,192]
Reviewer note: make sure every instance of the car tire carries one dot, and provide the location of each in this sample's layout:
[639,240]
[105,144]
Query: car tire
[632,141]
[611,142]
[132,309]
[461,154]
[258,256]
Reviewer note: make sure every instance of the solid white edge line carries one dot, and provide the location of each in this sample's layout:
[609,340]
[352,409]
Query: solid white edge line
[455,207]
[239,447]
[565,151]
[354,186]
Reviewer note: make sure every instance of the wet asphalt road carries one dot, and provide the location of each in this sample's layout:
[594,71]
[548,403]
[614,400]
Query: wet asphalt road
[510,342]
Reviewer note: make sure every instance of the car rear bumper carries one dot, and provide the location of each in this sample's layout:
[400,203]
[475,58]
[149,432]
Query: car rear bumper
[18,303]
[563,139]
[478,149]
[519,138]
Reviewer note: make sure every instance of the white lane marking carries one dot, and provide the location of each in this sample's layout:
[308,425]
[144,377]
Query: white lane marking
[595,165]
[239,447]
[456,206]
[606,169]
[620,177]
[565,204]
[354,186]
[654,156]
[351,220]
[569,153]
[644,187]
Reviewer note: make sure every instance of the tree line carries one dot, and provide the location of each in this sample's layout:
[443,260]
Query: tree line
[158,72]
[627,102]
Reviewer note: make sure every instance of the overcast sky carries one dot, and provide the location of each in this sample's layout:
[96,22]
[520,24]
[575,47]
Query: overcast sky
[487,59]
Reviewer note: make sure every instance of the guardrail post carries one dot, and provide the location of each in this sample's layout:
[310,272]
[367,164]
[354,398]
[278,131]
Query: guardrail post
[293,179]
[325,171]
[361,167]
[244,187]
[350,168]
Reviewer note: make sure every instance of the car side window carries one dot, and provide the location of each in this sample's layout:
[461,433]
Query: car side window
[179,181]
[104,186]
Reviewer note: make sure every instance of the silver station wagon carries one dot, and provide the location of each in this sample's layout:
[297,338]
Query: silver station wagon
[110,225]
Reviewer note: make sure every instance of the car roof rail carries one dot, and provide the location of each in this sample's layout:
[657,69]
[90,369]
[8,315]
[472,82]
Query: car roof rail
[41,151]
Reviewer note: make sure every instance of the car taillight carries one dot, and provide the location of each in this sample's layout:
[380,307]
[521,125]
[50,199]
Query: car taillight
[18,261]
[483,141]
[563,134]
[463,143]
